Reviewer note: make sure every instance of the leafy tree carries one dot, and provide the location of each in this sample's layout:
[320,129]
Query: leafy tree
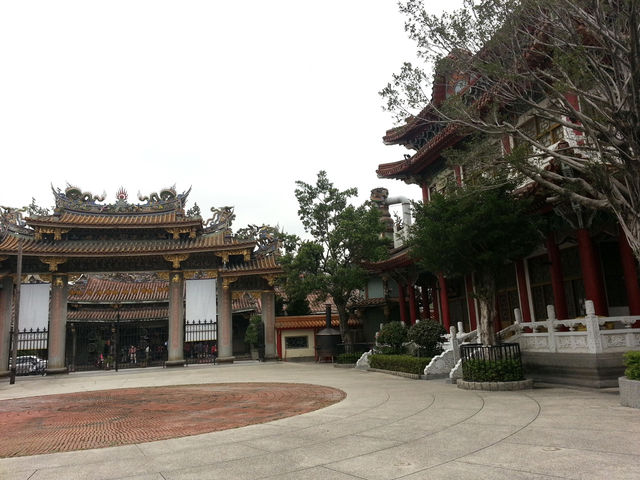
[428,335]
[393,334]
[474,230]
[343,236]
[570,63]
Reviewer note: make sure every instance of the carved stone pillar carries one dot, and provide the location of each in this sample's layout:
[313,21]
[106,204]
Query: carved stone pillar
[57,324]
[269,320]
[176,320]
[225,325]
[6,302]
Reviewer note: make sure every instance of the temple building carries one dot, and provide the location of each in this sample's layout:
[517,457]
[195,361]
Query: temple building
[585,258]
[199,266]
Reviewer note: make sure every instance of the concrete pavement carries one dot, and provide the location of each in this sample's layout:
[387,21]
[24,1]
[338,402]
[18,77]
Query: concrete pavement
[387,427]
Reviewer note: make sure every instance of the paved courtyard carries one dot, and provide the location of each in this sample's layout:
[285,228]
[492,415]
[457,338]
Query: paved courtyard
[387,427]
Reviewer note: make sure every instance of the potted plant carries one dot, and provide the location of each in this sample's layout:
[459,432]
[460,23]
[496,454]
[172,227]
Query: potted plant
[630,383]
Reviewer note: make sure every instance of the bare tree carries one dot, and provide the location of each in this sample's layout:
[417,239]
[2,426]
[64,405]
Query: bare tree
[572,67]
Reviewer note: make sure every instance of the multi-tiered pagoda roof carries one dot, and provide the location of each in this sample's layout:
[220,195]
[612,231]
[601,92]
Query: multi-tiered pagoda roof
[84,235]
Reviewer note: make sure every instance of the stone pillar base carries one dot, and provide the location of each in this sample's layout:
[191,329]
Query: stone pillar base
[4,373]
[57,371]
[174,363]
[225,359]
[629,392]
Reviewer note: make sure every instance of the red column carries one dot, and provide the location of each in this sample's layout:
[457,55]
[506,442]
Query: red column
[425,302]
[591,277]
[279,343]
[471,303]
[630,275]
[412,304]
[522,291]
[402,304]
[444,302]
[557,279]
[425,193]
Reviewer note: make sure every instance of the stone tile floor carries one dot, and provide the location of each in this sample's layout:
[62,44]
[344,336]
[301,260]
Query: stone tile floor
[387,427]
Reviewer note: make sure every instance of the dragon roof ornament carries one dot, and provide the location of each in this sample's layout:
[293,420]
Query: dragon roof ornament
[11,220]
[266,237]
[220,221]
[75,200]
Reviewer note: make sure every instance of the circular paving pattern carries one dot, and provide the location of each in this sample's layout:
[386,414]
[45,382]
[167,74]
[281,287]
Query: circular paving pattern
[107,418]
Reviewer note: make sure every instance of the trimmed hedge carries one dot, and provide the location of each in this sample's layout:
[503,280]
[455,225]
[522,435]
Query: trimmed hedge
[632,362]
[399,363]
[508,370]
[348,358]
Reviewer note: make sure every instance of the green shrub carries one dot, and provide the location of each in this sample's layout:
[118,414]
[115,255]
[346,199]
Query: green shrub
[393,335]
[508,370]
[428,335]
[399,363]
[348,358]
[632,362]
[251,336]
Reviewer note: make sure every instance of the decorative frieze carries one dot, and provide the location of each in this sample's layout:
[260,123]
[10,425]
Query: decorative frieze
[176,259]
[227,281]
[56,231]
[200,274]
[53,262]
[177,231]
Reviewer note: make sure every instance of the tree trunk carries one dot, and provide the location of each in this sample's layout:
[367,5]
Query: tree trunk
[630,225]
[486,300]
[343,315]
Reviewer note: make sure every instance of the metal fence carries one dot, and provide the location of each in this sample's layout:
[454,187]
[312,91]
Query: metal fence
[32,351]
[200,342]
[106,346]
[496,363]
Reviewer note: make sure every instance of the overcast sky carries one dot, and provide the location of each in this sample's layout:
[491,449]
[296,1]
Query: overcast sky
[237,100]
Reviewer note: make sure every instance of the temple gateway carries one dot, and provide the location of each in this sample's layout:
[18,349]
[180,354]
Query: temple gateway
[166,250]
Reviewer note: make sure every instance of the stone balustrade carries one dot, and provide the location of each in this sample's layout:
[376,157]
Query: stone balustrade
[588,334]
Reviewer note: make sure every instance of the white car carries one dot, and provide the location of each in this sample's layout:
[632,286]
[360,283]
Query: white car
[30,365]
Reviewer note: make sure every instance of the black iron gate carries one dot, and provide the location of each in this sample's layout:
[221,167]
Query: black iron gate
[32,351]
[200,342]
[106,346]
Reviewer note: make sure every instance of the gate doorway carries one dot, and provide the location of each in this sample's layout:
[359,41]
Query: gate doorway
[105,346]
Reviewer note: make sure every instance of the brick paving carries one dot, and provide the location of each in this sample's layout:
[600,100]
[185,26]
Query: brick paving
[78,421]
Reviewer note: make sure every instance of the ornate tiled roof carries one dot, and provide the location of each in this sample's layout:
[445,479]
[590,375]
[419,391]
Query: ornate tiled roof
[398,258]
[311,321]
[110,314]
[404,132]
[96,248]
[256,265]
[430,152]
[98,290]
[121,220]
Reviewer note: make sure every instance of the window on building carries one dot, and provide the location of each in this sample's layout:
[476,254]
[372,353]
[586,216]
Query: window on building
[541,129]
[540,282]
[573,285]
[301,341]
[613,274]
[507,294]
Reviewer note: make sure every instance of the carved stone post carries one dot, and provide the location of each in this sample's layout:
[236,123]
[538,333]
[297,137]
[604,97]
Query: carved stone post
[176,320]
[225,324]
[6,300]
[57,324]
[269,320]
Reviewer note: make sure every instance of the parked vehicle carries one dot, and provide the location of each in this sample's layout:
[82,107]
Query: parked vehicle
[30,365]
